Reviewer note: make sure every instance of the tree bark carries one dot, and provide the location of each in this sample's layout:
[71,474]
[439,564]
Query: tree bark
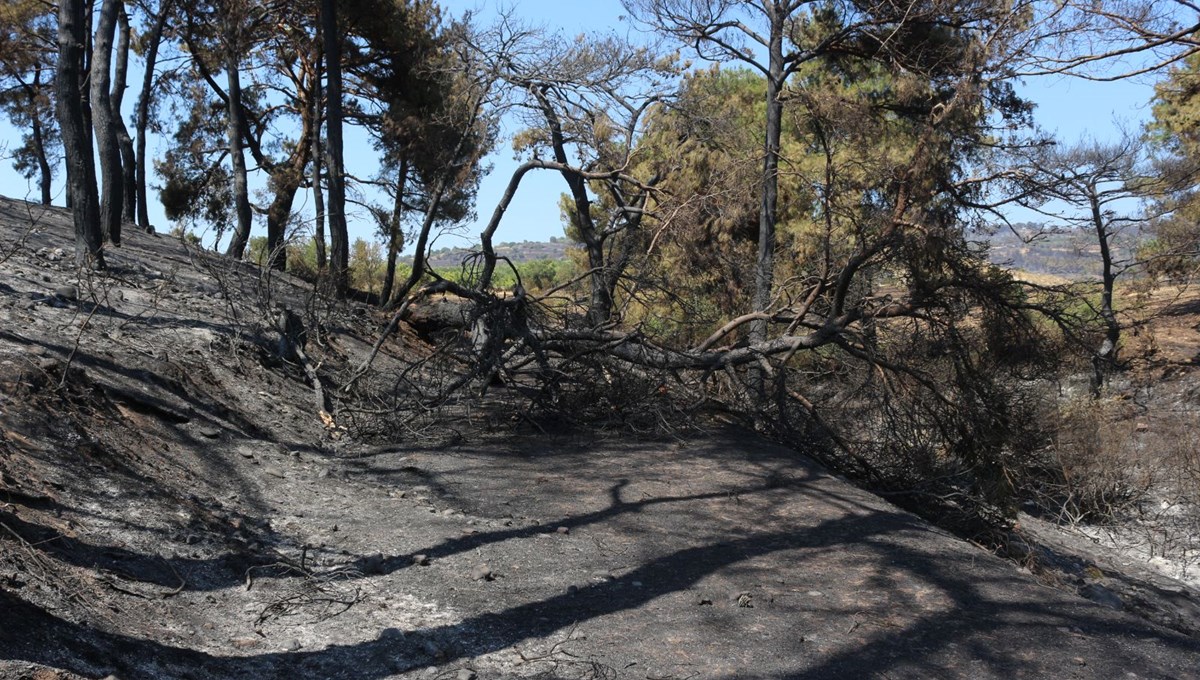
[237,158]
[764,271]
[418,265]
[600,305]
[143,115]
[286,180]
[45,174]
[318,193]
[489,232]
[81,173]
[339,252]
[1106,354]
[618,261]
[124,141]
[395,237]
[113,193]
[85,69]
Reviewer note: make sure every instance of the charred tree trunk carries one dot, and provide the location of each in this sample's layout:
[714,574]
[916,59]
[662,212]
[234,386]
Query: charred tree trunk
[124,141]
[421,248]
[286,180]
[619,261]
[85,69]
[45,174]
[318,192]
[237,158]
[113,192]
[81,173]
[395,236]
[1106,354]
[339,252]
[764,271]
[143,115]
[600,304]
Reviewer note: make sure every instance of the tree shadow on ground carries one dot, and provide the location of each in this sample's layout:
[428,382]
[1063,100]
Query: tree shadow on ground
[1182,308]
[996,624]
[228,570]
[616,507]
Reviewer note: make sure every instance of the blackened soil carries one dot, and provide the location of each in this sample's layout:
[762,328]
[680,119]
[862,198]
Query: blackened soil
[173,506]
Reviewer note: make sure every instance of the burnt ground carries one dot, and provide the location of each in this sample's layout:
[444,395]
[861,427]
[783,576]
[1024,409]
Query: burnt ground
[172,506]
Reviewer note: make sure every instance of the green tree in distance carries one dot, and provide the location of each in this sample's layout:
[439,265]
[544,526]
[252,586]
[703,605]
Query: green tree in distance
[28,59]
[1175,250]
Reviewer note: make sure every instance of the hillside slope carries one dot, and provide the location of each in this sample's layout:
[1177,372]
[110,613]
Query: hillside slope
[172,505]
[517,253]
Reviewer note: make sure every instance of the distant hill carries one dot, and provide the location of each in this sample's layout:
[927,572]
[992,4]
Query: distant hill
[1071,254]
[1027,247]
[524,251]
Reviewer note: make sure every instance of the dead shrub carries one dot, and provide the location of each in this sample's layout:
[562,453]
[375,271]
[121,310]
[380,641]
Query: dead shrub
[1179,437]
[931,420]
[1171,522]
[1096,469]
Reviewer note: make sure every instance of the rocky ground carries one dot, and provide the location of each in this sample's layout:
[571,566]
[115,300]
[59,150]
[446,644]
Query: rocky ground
[172,505]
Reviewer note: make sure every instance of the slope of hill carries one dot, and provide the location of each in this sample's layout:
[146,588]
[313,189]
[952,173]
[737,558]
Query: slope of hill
[518,252]
[1067,254]
[174,505]
[1064,254]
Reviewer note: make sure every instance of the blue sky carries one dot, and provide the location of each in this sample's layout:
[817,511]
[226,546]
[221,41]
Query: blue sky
[1068,106]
